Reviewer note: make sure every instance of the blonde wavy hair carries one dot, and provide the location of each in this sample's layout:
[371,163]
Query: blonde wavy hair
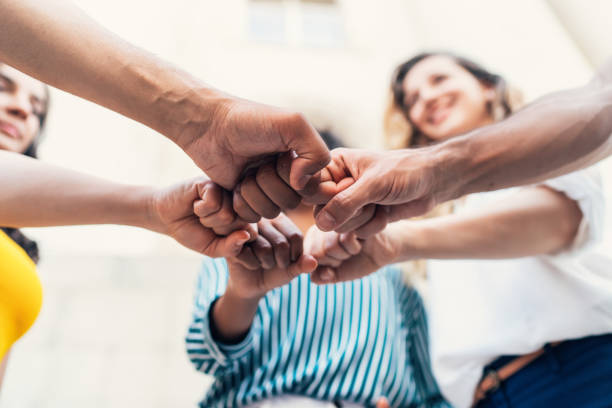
[400,133]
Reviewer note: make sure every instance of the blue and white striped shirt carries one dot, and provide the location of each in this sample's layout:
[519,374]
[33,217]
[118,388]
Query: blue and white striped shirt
[354,341]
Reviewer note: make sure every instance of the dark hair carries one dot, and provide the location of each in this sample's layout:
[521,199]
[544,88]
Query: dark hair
[28,245]
[479,72]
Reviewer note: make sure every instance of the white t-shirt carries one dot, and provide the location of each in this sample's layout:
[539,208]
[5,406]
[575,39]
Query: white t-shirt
[483,309]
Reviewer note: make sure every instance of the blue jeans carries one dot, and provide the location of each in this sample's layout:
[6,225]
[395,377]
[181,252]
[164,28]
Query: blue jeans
[574,374]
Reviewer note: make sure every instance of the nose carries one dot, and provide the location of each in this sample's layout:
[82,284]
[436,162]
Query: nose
[429,94]
[19,106]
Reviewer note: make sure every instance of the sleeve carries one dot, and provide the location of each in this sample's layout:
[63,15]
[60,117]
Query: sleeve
[209,356]
[585,188]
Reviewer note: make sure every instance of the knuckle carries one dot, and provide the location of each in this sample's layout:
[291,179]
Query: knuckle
[226,217]
[270,211]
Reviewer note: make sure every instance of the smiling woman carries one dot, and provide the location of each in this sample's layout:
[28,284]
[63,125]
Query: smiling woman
[23,110]
[444,95]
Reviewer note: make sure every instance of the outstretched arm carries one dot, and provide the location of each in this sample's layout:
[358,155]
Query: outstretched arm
[557,134]
[535,221]
[57,43]
[36,194]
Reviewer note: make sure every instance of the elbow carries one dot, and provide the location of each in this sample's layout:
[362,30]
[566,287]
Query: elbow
[561,218]
[569,219]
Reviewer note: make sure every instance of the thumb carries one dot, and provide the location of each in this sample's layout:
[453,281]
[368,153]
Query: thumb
[312,156]
[383,403]
[344,205]
[305,264]
[232,244]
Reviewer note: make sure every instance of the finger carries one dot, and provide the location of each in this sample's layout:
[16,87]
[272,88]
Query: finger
[318,250]
[333,249]
[324,186]
[355,267]
[383,403]
[264,253]
[280,244]
[350,243]
[312,152]
[344,205]
[376,224]
[247,259]
[292,233]
[361,218]
[224,216]
[242,208]
[226,247]
[304,264]
[210,202]
[323,275]
[283,166]
[257,200]
[275,188]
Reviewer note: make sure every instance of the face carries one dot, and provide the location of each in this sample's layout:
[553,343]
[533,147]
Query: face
[22,101]
[443,99]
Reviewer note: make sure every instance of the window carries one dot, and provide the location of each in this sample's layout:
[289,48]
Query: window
[313,23]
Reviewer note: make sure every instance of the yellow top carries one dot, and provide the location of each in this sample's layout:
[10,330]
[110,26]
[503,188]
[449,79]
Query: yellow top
[20,293]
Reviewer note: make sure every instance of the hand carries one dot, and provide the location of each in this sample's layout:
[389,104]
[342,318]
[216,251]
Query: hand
[272,260]
[171,212]
[214,208]
[342,256]
[241,134]
[402,181]
[266,191]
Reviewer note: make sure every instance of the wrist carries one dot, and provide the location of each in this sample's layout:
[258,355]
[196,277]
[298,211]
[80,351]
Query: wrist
[191,113]
[231,317]
[451,165]
[407,240]
[243,297]
[147,197]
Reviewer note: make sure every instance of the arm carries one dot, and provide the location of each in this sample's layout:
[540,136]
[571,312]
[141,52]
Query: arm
[557,134]
[57,43]
[271,261]
[535,221]
[36,194]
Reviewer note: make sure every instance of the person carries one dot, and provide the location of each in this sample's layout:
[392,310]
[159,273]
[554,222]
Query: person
[270,337]
[508,324]
[224,135]
[30,198]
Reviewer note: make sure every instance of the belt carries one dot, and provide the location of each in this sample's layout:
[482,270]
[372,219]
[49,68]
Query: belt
[493,378]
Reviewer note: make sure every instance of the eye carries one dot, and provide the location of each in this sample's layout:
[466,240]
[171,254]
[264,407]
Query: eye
[438,78]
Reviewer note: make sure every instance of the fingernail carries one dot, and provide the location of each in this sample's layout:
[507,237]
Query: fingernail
[326,221]
[326,275]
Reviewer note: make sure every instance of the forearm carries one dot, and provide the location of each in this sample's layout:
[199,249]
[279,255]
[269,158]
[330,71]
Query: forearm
[557,134]
[535,221]
[36,194]
[59,44]
[232,316]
